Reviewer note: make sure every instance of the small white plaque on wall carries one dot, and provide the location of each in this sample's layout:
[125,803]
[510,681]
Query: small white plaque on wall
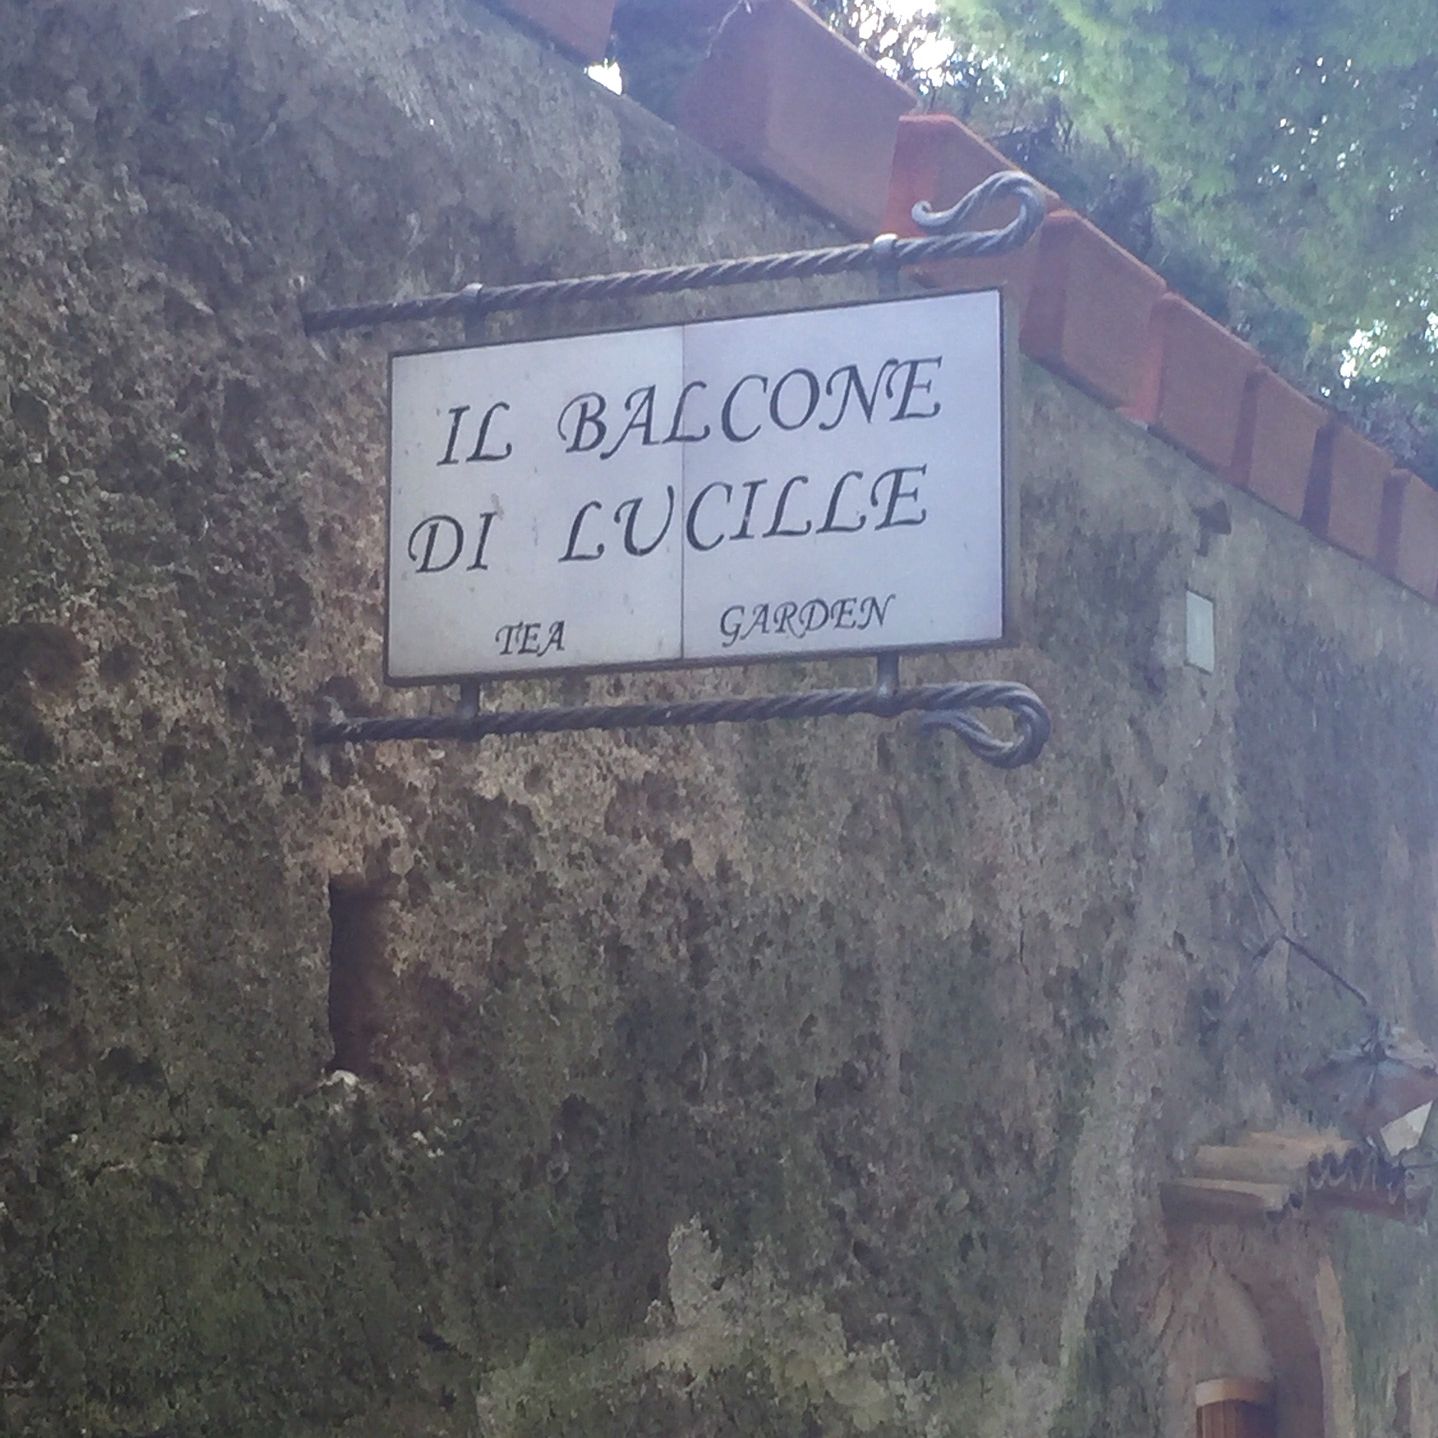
[814,483]
[1200,639]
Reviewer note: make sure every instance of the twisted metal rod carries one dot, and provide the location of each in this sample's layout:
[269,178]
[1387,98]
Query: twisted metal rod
[944,706]
[474,301]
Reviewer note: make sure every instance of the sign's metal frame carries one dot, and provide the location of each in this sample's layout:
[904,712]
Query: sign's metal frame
[1008,371]
[948,706]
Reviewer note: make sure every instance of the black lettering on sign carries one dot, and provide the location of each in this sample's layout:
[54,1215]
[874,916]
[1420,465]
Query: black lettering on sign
[488,517]
[829,525]
[897,493]
[456,416]
[910,370]
[640,409]
[813,614]
[753,486]
[675,437]
[732,622]
[530,636]
[808,401]
[726,415]
[633,506]
[897,506]
[690,533]
[431,529]
[588,410]
[799,620]
[484,424]
[873,611]
[854,387]
[570,552]
[777,528]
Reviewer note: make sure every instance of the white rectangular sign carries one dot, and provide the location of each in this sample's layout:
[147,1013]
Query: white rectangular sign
[813,483]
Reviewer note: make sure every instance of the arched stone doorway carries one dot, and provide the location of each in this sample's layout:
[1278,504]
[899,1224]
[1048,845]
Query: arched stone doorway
[1253,1330]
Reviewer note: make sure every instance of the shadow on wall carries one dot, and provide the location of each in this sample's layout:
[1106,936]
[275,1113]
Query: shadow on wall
[361,979]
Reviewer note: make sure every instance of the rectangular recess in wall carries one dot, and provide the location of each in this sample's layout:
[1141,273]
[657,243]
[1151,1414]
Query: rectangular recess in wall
[360,978]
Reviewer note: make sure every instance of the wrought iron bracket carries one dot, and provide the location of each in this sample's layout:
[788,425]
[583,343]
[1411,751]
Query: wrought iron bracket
[942,706]
[885,252]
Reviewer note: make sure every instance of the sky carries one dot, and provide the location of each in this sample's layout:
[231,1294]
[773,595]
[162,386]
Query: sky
[936,51]
[932,54]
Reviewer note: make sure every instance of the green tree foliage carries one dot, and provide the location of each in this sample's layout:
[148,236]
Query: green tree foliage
[1295,140]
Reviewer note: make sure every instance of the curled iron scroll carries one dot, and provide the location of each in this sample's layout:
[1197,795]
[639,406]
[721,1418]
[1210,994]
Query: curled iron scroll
[1007,184]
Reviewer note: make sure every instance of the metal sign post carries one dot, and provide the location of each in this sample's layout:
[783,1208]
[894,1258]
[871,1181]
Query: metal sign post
[796,485]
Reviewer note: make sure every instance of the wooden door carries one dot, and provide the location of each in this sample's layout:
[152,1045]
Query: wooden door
[1235,1408]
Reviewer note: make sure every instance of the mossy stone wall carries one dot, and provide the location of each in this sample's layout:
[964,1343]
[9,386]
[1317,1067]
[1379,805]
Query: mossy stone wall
[770,1080]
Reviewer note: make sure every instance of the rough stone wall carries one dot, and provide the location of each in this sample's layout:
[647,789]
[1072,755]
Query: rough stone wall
[774,1080]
